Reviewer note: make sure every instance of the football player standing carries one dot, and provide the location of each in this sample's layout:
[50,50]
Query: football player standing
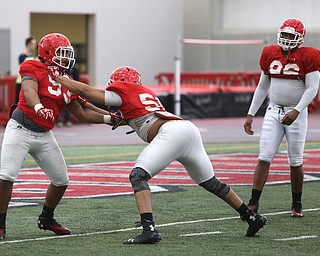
[29,129]
[290,76]
[170,138]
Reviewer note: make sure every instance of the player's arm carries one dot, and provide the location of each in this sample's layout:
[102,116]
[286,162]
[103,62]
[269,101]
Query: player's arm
[87,105]
[99,96]
[30,91]
[312,85]
[259,96]
[76,87]
[87,113]
[92,114]
[82,89]
[92,107]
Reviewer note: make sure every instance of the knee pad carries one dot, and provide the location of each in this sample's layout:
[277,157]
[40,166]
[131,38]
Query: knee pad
[139,179]
[216,187]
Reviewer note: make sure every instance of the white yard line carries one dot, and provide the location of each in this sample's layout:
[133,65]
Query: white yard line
[130,229]
[203,233]
[295,238]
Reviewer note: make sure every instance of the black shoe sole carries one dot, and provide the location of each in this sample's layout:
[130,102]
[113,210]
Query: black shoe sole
[155,238]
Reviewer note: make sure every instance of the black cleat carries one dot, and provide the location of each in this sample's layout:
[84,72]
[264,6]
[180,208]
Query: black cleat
[253,206]
[2,234]
[149,234]
[256,222]
[146,237]
[53,225]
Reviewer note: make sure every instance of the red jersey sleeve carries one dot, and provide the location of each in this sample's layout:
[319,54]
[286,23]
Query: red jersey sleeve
[264,63]
[120,88]
[27,69]
[311,59]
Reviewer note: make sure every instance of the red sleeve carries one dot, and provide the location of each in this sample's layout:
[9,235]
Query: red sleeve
[119,88]
[264,65]
[26,69]
[311,58]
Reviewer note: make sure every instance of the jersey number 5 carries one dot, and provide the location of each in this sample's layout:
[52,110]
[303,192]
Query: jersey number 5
[55,89]
[152,103]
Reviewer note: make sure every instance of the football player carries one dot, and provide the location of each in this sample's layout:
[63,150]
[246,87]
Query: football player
[29,129]
[290,76]
[170,138]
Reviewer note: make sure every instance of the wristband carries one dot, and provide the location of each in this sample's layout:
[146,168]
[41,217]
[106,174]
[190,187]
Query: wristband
[107,119]
[37,107]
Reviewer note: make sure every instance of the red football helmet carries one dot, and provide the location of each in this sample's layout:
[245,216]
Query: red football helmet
[56,49]
[125,74]
[296,28]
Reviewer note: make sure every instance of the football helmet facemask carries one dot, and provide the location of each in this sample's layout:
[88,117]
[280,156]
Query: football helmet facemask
[56,49]
[125,74]
[296,29]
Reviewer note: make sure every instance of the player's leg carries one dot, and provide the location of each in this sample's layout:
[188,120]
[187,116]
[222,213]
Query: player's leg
[220,189]
[254,220]
[14,149]
[199,167]
[5,196]
[168,145]
[272,133]
[260,177]
[48,155]
[296,173]
[296,136]
[139,180]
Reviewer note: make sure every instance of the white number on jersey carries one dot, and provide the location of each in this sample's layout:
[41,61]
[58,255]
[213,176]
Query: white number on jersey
[55,89]
[152,103]
[289,69]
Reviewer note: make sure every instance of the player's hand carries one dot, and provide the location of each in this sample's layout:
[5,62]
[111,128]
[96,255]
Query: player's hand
[117,119]
[54,71]
[45,113]
[82,101]
[290,117]
[248,125]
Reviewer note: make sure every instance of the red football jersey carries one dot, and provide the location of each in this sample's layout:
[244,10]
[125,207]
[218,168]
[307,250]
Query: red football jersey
[138,100]
[52,95]
[299,63]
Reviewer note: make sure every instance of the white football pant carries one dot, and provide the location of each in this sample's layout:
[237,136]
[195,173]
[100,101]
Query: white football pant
[177,140]
[42,146]
[273,132]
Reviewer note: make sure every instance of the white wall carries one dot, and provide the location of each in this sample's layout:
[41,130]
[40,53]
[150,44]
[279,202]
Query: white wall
[253,16]
[241,19]
[141,33]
